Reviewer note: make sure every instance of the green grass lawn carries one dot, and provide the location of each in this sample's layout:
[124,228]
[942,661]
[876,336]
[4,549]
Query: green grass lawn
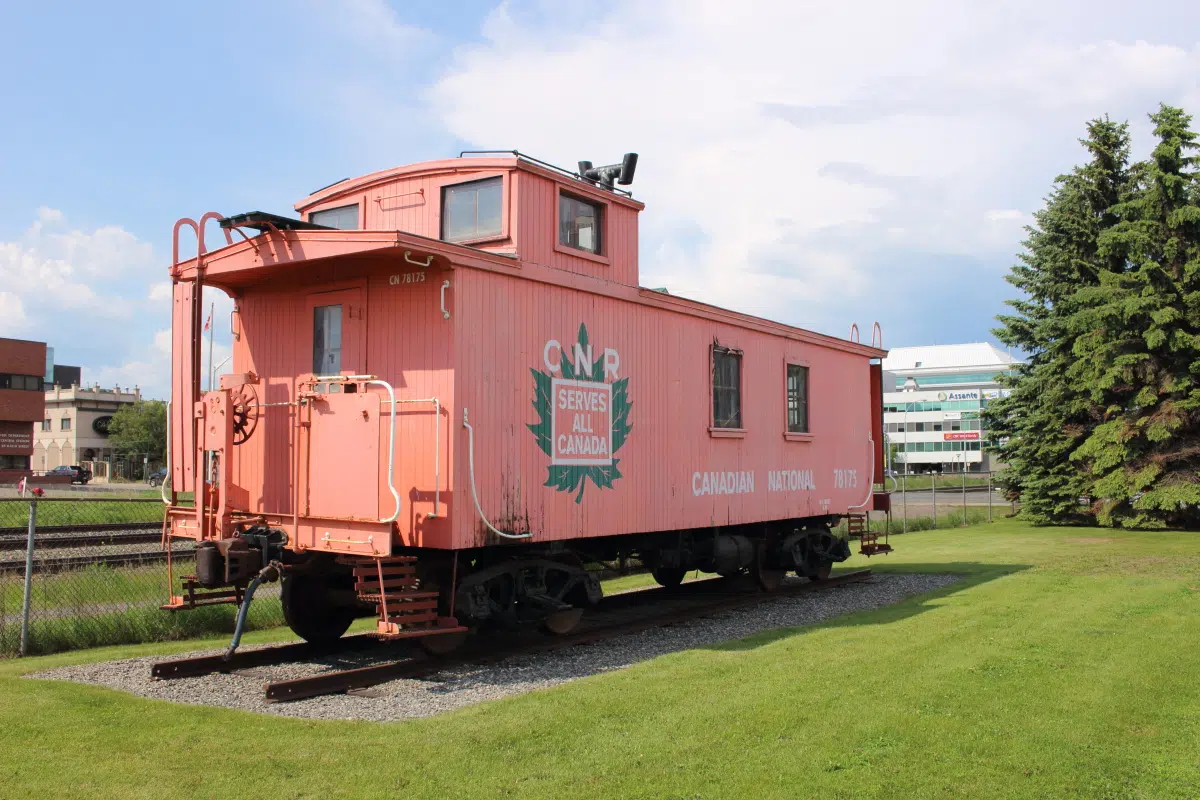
[75,511]
[1064,664]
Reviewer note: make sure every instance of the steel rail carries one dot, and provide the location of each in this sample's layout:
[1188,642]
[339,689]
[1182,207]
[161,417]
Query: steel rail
[419,666]
[261,657]
[86,528]
[422,664]
[107,559]
[83,540]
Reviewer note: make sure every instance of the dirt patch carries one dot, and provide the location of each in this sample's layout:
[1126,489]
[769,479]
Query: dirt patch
[1089,540]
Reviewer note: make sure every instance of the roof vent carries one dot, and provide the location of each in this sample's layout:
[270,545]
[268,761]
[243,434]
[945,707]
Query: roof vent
[604,176]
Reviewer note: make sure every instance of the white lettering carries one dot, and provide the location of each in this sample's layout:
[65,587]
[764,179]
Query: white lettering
[845,478]
[722,483]
[583,361]
[790,480]
[611,362]
[552,346]
[580,445]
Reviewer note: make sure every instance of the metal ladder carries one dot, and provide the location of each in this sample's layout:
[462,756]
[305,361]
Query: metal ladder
[858,527]
[404,610]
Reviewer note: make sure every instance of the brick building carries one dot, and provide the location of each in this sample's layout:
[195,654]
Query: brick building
[74,429]
[22,404]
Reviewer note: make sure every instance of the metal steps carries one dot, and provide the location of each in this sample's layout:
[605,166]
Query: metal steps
[404,610]
[858,527]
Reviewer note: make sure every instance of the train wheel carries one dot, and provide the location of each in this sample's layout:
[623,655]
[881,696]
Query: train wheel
[562,622]
[669,577]
[820,575]
[442,643]
[769,579]
[433,578]
[310,607]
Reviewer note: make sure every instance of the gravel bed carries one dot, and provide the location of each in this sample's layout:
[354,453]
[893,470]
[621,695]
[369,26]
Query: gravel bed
[457,687]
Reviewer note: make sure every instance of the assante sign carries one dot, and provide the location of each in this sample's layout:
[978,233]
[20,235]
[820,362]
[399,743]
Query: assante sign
[972,395]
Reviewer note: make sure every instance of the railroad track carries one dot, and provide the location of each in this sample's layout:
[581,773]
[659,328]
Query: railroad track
[83,527]
[68,540]
[617,615]
[63,563]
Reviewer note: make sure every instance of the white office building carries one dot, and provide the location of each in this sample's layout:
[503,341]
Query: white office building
[932,401]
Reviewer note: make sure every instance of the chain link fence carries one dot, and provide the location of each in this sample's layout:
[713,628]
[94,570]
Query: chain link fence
[942,500]
[89,572]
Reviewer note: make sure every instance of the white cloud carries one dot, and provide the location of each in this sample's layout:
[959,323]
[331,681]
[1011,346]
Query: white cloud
[146,361]
[162,341]
[52,269]
[93,296]
[786,147]
[12,311]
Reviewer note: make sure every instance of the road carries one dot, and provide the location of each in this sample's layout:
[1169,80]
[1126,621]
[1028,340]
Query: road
[977,496]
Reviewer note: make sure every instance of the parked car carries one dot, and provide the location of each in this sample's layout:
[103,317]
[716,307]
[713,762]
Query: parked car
[78,474]
[157,477]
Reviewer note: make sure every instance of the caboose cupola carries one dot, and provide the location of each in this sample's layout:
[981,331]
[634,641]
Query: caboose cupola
[502,202]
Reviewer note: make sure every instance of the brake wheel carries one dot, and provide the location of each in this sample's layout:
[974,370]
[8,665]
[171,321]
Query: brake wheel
[244,402]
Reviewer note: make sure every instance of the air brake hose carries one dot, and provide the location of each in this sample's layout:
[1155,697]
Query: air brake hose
[268,573]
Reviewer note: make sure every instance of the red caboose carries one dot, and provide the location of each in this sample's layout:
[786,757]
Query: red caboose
[449,393]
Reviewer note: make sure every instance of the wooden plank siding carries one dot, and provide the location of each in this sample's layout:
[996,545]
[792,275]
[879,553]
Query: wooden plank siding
[504,324]
[505,307]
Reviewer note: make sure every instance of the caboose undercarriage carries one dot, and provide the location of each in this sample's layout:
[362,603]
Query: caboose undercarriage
[441,596]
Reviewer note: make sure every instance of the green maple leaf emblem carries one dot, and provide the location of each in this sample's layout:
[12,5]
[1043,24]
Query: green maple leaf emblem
[574,478]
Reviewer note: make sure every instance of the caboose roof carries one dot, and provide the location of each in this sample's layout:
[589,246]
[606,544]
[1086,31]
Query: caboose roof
[269,256]
[282,248]
[464,166]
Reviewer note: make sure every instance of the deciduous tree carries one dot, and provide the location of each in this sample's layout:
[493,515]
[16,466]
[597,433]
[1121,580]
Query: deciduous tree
[140,427]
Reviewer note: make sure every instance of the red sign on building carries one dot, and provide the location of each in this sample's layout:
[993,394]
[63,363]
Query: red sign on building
[961,436]
[16,438]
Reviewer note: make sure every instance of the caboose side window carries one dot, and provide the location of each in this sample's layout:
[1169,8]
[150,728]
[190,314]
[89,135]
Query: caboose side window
[579,223]
[344,218]
[327,340]
[472,210]
[727,388]
[797,398]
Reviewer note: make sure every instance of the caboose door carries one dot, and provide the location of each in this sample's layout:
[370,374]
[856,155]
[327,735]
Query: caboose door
[337,323]
[339,454]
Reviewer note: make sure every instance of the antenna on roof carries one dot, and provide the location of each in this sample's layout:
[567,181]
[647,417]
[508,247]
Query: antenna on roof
[604,176]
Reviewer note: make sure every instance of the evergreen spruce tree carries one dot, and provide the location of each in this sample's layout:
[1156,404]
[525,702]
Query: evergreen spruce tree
[1137,342]
[1047,415]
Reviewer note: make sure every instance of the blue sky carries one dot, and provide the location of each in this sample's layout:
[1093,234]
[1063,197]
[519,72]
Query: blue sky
[817,163]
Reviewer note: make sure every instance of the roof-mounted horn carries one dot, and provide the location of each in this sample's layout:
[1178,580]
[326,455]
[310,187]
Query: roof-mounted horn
[604,176]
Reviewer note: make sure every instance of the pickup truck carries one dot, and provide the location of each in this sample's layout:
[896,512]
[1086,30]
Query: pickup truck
[157,477]
[78,474]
